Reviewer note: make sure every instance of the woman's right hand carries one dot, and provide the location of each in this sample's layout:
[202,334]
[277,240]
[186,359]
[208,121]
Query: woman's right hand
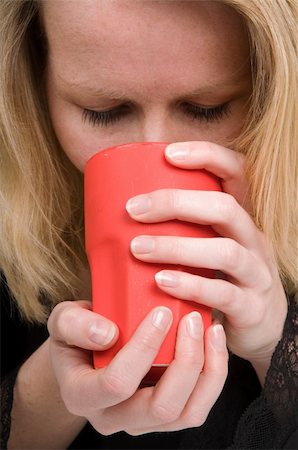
[110,398]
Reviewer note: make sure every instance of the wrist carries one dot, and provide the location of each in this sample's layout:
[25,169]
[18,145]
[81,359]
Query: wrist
[262,361]
[38,413]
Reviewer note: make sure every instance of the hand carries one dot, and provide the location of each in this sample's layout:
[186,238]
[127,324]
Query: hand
[110,398]
[251,296]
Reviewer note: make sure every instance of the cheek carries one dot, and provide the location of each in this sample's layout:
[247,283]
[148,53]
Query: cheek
[229,129]
[78,140]
[75,142]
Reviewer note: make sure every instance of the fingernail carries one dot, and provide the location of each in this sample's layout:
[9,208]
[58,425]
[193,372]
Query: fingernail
[138,205]
[218,338]
[177,151]
[162,318]
[142,244]
[195,325]
[167,279]
[101,333]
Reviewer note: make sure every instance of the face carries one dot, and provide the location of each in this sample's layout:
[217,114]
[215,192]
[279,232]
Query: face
[127,71]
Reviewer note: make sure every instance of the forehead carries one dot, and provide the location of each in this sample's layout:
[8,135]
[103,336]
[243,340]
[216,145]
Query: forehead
[144,38]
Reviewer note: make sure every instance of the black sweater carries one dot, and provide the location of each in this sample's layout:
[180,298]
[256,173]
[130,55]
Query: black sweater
[244,417]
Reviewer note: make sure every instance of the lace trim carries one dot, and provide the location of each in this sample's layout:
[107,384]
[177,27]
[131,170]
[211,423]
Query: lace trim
[7,386]
[271,419]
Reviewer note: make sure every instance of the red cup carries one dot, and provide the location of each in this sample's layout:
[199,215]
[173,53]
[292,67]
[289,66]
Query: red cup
[123,288]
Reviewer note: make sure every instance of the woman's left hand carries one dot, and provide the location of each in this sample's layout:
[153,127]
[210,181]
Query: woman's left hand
[251,296]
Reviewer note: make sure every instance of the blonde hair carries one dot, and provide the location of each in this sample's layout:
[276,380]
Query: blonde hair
[41,194]
[41,231]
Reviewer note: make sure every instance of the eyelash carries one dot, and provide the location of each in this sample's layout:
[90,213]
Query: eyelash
[109,117]
[105,118]
[206,114]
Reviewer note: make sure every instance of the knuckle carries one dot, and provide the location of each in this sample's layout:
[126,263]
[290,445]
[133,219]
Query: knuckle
[208,148]
[231,254]
[219,372]
[147,342]
[196,296]
[194,419]
[228,296]
[102,430]
[175,199]
[198,289]
[228,208]
[104,427]
[267,280]
[116,385]
[133,432]
[56,319]
[67,324]
[169,199]
[193,362]
[176,248]
[70,399]
[164,413]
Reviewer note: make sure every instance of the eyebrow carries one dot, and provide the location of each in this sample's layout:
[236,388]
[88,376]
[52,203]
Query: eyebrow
[95,91]
[116,94]
[211,87]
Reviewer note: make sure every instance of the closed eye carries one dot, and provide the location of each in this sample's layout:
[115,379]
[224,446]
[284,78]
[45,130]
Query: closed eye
[206,114]
[195,112]
[105,118]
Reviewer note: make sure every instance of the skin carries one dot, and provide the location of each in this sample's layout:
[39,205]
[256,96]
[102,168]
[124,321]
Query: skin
[185,53]
[103,54]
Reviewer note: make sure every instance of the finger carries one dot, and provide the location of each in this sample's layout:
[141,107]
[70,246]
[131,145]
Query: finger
[72,325]
[158,404]
[222,162]
[102,388]
[123,375]
[215,293]
[212,379]
[218,209]
[208,387]
[75,324]
[182,374]
[222,254]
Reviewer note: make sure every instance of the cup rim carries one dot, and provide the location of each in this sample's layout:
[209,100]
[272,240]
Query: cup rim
[119,147]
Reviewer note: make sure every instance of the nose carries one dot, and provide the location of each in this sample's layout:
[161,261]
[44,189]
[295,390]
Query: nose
[159,126]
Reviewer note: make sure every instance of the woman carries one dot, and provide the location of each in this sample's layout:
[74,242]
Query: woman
[217,78]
